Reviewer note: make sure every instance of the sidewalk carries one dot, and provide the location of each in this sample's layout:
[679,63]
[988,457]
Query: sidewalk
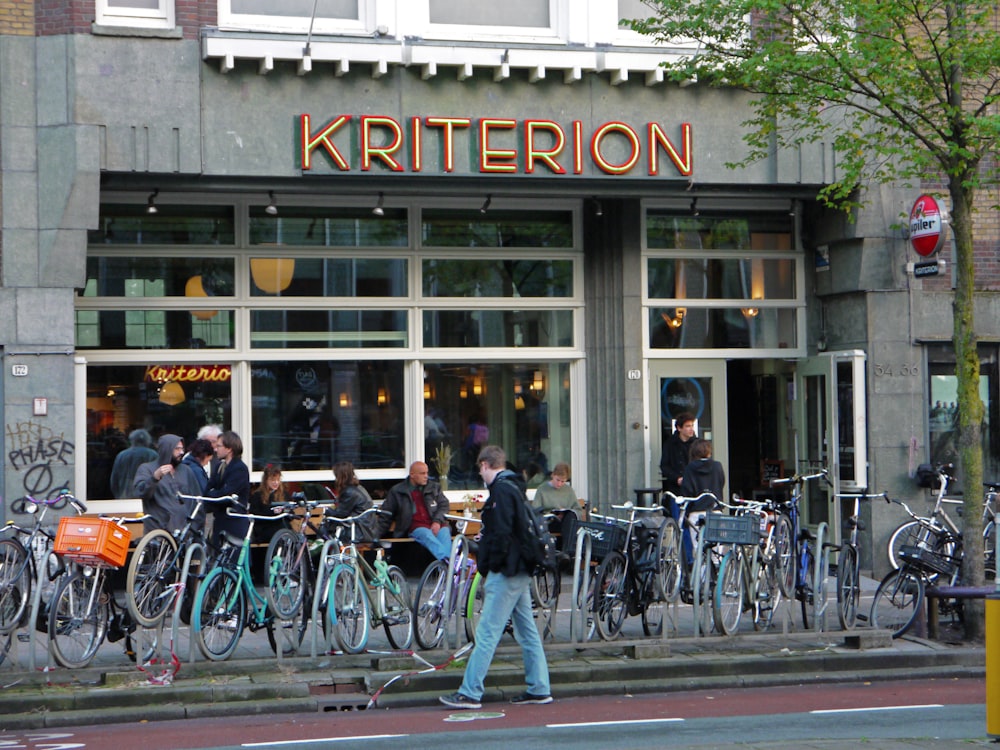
[256,682]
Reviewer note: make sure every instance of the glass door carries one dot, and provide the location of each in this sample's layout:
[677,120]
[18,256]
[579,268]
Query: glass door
[830,430]
[696,387]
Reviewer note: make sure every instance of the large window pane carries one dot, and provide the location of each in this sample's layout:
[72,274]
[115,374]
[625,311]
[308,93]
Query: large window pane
[154,329]
[509,328]
[328,277]
[497,278]
[175,399]
[721,278]
[524,407]
[464,228]
[309,415]
[130,224]
[313,227]
[149,276]
[760,232]
[297,8]
[725,328]
[291,329]
[509,13]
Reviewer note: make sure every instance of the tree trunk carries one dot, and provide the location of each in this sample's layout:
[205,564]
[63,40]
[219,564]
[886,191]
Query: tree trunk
[970,407]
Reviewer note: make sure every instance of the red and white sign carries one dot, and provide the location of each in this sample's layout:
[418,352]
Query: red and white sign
[928,225]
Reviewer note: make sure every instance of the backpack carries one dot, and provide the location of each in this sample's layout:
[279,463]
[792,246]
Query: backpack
[538,546]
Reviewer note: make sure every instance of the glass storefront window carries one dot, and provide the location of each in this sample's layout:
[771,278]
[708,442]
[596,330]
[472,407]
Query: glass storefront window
[446,227]
[523,407]
[498,328]
[161,398]
[943,407]
[154,329]
[670,231]
[721,278]
[722,328]
[336,329]
[328,277]
[311,414]
[146,276]
[315,227]
[131,224]
[497,277]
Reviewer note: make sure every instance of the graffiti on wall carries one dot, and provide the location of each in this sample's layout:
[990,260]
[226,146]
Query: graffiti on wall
[35,452]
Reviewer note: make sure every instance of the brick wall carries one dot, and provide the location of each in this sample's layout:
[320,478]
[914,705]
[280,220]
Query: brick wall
[52,17]
[17,17]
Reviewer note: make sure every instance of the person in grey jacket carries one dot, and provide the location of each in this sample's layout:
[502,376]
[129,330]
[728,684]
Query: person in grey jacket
[158,482]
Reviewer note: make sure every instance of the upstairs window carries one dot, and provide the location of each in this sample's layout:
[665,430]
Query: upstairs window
[146,14]
[296,16]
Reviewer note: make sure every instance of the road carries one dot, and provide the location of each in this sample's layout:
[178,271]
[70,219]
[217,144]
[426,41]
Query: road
[951,710]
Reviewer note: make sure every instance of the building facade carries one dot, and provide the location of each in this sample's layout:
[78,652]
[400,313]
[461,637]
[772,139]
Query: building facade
[392,231]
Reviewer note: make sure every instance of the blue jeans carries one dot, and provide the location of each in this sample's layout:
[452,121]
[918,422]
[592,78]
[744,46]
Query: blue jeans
[506,599]
[439,546]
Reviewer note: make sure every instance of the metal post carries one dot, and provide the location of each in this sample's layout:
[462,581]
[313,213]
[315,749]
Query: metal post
[993,664]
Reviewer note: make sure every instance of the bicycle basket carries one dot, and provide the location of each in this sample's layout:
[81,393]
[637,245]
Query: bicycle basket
[722,529]
[604,537]
[92,541]
[928,560]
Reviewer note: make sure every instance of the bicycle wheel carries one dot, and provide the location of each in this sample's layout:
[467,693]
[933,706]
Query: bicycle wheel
[397,609]
[706,586]
[287,574]
[905,534]
[429,611]
[668,555]
[288,633]
[585,603]
[729,593]
[784,554]
[348,610]
[819,572]
[473,605]
[768,594]
[990,551]
[151,573]
[545,588]
[611,596]
[78,621]
[15,584]
[652,604]
[219,614]
[898,600]
[848,587]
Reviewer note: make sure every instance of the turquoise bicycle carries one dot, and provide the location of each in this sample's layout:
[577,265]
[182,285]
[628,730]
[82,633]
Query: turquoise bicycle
[220,609]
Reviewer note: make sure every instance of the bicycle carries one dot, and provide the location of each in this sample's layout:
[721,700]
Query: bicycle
[83,608]
[440,596]
[990,523]
[748,573]
[158,564]
[363,595]
[909,532]
[849,564]
[935,555]
[220,611]
[802,563]
[628,580]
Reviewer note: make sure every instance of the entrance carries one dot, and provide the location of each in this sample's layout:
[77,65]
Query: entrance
[696,387]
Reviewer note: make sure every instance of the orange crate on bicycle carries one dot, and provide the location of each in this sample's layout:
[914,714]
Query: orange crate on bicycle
[92,541]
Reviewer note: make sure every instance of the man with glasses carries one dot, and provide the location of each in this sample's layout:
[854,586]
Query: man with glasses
[507,595]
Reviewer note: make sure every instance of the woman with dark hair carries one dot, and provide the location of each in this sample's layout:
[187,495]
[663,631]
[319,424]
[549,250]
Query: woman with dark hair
[352,499]
[271,493]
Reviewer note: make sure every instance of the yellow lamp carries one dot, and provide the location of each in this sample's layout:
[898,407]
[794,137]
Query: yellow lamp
[195,288]
[272,275]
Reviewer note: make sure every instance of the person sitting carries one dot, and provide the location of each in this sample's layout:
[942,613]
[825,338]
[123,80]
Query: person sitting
[558,495]
[352,499]
[418,509]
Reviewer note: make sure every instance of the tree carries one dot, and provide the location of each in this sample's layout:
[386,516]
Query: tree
[904,90]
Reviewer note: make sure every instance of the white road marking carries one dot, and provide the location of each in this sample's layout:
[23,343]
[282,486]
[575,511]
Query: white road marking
[873,708]
[611,723]
[324,739]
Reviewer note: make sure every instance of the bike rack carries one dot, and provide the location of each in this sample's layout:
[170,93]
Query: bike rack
[322,580]
[460,542]
[41,574]
[581,583]
[179,600]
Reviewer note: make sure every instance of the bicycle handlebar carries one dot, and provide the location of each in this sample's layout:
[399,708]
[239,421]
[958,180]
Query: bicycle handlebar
[802,478]
[683,500]
[862,496]
[362,514]
[234,498]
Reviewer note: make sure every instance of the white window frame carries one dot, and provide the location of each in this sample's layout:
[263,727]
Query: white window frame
[364,24]
[160,18]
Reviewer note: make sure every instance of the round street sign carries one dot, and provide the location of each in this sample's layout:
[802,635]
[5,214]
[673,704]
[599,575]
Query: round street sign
[928,225]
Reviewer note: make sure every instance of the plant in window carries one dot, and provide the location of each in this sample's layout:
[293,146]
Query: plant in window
[442,462]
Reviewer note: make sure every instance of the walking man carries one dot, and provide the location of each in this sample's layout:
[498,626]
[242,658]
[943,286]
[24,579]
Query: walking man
[506,589]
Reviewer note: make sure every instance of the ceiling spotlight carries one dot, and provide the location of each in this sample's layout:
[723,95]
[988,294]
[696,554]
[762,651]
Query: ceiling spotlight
[486,204]
[151,202]
[379,210]
[272,205]
[598,208]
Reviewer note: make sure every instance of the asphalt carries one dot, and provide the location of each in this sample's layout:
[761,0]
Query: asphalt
[255,681]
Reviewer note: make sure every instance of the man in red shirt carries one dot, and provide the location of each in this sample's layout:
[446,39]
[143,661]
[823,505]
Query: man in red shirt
[418,510]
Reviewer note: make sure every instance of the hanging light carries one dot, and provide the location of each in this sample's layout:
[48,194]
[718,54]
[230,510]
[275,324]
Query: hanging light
[151,202]
[756,286]
[538,384]
[272,275]
[463,390]
[272,205]
[383,397]
[171,393]
[486,204]
[195,288]
[379,209]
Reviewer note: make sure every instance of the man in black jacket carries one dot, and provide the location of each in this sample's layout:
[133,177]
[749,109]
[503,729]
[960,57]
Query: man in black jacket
[507,594]
[418,509]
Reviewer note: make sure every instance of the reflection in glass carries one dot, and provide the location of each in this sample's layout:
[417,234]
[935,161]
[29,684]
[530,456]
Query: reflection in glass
[154,329]
[122,398]
[721,328]
[145,276]
[332,277]
[291,329]
[445,227]
[509,328]
[317,227]
[484,277]
[130,224]
[721,278]
[309,415]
